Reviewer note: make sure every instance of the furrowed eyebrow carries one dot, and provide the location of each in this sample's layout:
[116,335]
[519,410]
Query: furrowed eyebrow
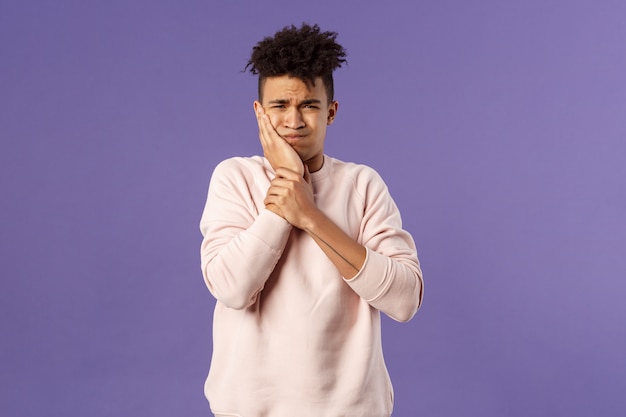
[310,101]
[279,101]
[303,102]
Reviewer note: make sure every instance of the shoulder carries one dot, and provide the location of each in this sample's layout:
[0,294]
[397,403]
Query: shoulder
[240,164]
[368,189]
[361,175]
[239,171]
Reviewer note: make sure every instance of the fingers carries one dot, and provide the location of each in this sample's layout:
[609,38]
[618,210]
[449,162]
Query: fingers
[262,120]
[267,132]
[270,139]
[282,172]
[277,196]
[274,208]
[281,188]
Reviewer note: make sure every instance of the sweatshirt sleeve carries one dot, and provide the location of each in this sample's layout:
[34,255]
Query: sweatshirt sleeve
[241,243]
[391,278]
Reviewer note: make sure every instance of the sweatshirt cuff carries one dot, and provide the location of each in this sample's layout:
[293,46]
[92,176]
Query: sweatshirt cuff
[270,228]
[370,282]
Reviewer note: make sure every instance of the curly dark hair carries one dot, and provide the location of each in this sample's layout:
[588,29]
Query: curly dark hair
[304,53]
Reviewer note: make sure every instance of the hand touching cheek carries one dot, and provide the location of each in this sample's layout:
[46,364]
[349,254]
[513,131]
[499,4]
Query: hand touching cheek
[275,149]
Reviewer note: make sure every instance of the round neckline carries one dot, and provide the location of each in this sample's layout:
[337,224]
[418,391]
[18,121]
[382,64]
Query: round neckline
[323,172]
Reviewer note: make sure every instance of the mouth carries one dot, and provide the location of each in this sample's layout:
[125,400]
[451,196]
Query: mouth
[293,139]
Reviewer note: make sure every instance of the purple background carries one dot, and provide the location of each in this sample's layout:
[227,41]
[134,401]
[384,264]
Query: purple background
[499,126]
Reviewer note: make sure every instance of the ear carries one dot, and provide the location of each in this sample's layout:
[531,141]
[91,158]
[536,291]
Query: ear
[332,112]
[257,106]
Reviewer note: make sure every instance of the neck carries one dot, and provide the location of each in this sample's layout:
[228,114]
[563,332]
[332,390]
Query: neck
[315,164]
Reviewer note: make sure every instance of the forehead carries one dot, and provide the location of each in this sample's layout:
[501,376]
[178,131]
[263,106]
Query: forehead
[285,87]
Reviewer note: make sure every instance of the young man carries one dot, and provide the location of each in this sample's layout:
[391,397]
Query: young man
[302,252]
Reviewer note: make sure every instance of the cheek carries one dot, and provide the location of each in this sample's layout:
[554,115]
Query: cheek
[319,121]
[274,119]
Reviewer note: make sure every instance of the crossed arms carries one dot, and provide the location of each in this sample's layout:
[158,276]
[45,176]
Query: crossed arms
[242,247]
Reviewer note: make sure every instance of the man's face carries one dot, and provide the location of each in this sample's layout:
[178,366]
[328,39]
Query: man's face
[300,113]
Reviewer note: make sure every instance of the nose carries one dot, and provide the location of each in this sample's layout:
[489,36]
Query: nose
[293,118]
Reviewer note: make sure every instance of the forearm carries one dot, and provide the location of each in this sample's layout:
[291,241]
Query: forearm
[391,282]
[393,285]
[236,264]
[344,252]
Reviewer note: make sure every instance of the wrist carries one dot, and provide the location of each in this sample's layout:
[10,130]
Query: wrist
[311,222]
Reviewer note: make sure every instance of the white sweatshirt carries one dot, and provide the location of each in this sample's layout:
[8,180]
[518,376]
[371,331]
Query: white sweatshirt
[291,336]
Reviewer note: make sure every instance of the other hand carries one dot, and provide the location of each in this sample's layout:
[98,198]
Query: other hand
[291,196]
